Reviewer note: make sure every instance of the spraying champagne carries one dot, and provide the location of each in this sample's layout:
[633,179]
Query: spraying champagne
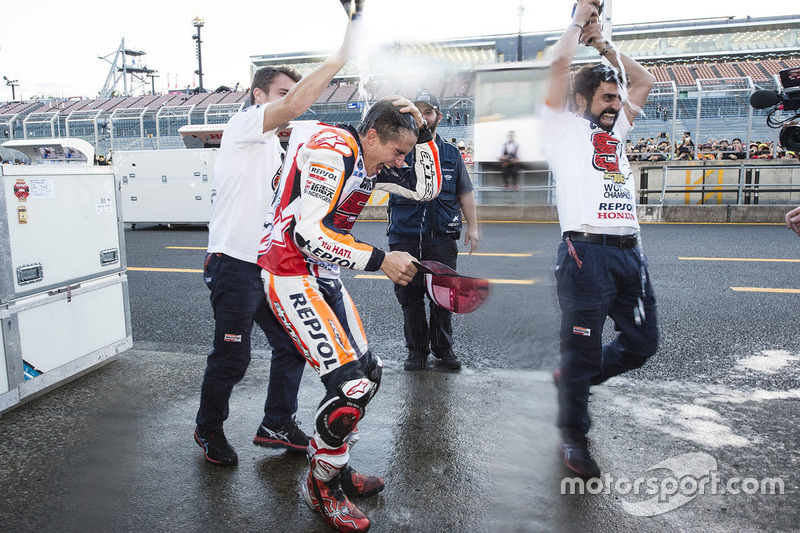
[353,8]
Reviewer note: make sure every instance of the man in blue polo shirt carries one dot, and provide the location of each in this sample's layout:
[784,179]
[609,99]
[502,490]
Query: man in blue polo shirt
[429,231]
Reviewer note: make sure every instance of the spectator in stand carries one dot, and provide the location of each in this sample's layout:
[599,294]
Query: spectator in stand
[764,151]
[736,151]
[654,153]
[724,148]
[753,150]
[716,151]
[629,150]
[663,148]
[509,162]
[704,152]
[685,149]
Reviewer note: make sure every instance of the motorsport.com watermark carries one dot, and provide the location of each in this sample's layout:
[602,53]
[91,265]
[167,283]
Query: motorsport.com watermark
[692,475]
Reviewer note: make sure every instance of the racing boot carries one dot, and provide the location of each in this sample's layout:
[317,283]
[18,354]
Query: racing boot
[356,485]
[328,499]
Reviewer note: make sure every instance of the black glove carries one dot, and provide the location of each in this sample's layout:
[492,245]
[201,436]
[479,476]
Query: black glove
[353,8]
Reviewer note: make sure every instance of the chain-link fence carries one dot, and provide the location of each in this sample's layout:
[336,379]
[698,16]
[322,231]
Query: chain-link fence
[169,120]
[7,123]
[41,125]
[221,113]
[127,129]
[712,111]
[83,125]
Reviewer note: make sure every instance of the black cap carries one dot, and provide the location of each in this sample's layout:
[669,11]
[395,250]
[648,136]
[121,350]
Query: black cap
[428,98]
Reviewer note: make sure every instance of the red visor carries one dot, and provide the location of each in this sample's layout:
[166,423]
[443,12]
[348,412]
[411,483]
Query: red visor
[449,289]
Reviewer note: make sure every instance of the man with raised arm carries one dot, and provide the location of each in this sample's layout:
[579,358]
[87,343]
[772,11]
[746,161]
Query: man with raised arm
[248,164]
[601,270]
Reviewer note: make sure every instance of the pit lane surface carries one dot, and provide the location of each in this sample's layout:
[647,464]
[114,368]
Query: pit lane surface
[468,452]
[711,316]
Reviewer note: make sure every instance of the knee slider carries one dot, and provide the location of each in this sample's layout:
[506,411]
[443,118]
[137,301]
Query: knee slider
[338,416]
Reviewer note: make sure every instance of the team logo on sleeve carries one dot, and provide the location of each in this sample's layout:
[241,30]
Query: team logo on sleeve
[606,156]
[332,141]
[321,182]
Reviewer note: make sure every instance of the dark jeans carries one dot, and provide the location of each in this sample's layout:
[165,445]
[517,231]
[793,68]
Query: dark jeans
[418,333]
[510,174]
[237,297]
[609,283]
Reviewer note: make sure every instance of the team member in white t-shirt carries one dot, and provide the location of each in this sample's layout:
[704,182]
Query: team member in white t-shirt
[247,168]
[601,270]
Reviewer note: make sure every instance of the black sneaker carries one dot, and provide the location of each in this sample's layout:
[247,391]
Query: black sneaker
[415,361]
[578,459]
[215,446]
[447,360]
[289,436]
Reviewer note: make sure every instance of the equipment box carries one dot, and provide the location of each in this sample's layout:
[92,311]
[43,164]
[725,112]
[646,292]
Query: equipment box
[165,186]
[58,226]
[52,337]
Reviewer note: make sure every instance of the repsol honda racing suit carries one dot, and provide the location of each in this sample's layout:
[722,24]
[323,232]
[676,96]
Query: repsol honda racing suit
[323,188]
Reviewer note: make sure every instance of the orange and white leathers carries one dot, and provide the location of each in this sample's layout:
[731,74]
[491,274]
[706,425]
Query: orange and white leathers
[323,188]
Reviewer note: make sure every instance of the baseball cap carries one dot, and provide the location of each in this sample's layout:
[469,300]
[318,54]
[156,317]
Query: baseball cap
[428,98]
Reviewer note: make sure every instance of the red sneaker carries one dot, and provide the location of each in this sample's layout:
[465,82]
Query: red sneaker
[328,500]
[357,485]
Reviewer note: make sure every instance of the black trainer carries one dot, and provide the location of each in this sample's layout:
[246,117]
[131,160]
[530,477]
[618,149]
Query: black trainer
[215,446]
[577,458]
[447,360]
[289,436]
[415,361]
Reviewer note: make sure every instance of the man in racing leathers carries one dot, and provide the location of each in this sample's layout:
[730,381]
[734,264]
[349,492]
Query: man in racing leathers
[327,179]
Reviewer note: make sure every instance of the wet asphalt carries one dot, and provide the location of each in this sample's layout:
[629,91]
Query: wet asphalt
[713,413]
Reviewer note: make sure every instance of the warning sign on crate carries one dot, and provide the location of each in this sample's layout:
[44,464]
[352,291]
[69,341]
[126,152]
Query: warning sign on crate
[21,190]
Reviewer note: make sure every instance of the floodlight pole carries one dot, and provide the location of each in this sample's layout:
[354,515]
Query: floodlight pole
[198,23]
[12,84]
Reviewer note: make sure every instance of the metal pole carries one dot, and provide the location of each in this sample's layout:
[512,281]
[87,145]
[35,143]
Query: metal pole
[607,19]
[198,23]
[520,12]
[697,124]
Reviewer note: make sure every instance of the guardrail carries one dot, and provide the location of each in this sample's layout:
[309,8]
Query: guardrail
[747,188]
[746,182]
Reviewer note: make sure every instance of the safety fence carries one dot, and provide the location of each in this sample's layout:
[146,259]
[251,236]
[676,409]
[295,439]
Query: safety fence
[711,109]
[757,182]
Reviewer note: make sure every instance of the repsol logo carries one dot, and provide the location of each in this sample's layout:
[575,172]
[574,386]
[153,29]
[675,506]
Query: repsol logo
[325,353]
[614,206]
[329,257]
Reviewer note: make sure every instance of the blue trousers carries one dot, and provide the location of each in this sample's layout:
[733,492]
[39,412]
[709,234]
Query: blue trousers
[419,333]
[237,298]
[608,283]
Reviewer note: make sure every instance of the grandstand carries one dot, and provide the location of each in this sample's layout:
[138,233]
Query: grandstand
[705,70]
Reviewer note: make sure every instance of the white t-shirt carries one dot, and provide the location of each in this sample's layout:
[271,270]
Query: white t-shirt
[248,162]
[595,190]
